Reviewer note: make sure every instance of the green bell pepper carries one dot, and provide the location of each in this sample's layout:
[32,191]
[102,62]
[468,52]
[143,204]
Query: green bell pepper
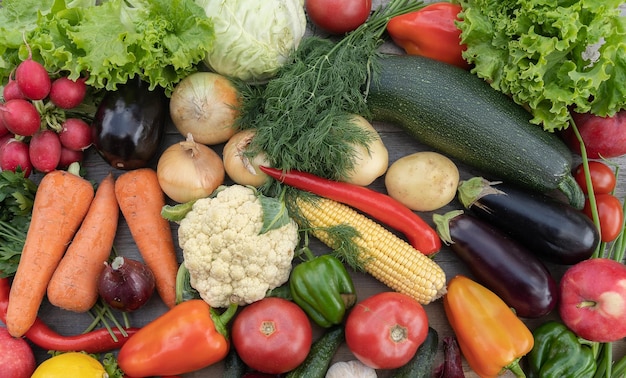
[559,353]
[323,288]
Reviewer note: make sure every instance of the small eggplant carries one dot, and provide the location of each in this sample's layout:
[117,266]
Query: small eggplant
[129,125]
[126,284]
[504,266]
[553,230]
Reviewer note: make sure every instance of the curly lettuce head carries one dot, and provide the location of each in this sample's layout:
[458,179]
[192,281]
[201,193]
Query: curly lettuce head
[253,38]
[537,51]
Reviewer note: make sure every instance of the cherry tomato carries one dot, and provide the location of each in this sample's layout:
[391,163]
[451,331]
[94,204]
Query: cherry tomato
[272,335]
[385,330]
[602,177]
[610,214]
[338,16]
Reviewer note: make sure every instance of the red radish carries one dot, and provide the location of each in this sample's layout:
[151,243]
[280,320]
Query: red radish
[5,138]
[45,150]
[11,91]
[3,127]
[76,134]
[32,78]
[14,155]
[20,117]
[66,93]
[68,157]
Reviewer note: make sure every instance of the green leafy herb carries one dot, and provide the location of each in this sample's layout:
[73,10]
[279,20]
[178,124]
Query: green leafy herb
[160,41]
[17,195]
[302,116]
[540,53]
[12,240]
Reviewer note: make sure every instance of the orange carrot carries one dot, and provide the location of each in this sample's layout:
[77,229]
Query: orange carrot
[74,284]
[141,199]
[61,203]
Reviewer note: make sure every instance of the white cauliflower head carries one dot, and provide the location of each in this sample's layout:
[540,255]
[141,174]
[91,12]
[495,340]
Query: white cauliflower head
[228,259]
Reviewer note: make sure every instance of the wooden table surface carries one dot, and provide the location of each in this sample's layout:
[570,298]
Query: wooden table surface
[398,144]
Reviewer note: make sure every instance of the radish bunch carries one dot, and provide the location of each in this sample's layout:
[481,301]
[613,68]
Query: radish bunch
[34,132]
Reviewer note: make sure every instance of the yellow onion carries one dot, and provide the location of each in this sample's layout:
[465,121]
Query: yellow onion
[188,170]
[371,161]
[239,167]
[205,105]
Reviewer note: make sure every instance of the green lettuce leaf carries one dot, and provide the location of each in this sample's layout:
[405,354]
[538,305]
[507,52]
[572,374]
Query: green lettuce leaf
[161,41]
[539,53]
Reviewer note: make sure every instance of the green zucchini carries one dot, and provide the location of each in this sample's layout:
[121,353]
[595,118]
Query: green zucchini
[421,365]
[234,367]
[461,116]
[320,356]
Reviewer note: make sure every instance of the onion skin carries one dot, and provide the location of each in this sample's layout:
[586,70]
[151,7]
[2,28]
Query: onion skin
[372,161]
[241,169]
[126,284]
[204,104]
[188,171]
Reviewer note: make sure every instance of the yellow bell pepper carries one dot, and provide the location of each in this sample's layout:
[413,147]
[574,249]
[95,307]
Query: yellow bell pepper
[491,337]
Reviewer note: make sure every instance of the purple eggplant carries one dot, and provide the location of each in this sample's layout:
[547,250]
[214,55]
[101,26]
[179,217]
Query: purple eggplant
[129,125]
[498,262]
[553,230]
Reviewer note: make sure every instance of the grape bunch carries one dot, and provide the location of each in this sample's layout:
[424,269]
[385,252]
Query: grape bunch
[35,133]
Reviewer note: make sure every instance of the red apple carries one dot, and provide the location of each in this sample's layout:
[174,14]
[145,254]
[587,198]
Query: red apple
[16,356]
[593,299]
[603,136]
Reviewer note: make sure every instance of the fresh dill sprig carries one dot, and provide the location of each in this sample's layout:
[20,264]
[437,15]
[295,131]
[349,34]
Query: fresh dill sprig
[302,117]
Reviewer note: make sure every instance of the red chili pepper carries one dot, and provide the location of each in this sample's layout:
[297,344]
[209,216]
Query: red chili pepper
[430,32]
[41,335]
[378,205]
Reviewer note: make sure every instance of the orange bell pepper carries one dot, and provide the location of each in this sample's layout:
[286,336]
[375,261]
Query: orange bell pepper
[491,337]
[430,32]
[188,337]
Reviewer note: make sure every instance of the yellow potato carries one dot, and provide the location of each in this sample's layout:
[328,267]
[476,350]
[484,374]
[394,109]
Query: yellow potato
[423,181]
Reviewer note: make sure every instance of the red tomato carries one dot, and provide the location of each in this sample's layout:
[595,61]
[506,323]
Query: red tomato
[602,177]
[610,214]
[272,335]
[385,330]
[338,16]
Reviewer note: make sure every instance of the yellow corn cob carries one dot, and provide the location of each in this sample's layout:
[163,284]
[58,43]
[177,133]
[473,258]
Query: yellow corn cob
[386,257]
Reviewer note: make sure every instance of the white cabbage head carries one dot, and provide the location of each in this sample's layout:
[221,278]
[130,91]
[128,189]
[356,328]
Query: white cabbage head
[253,38]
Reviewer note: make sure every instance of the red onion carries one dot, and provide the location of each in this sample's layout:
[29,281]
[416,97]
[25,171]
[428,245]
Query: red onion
[126,284]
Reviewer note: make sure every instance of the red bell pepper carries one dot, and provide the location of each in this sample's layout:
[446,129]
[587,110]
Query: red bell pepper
[378,205]
[188,337]
[430,32]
